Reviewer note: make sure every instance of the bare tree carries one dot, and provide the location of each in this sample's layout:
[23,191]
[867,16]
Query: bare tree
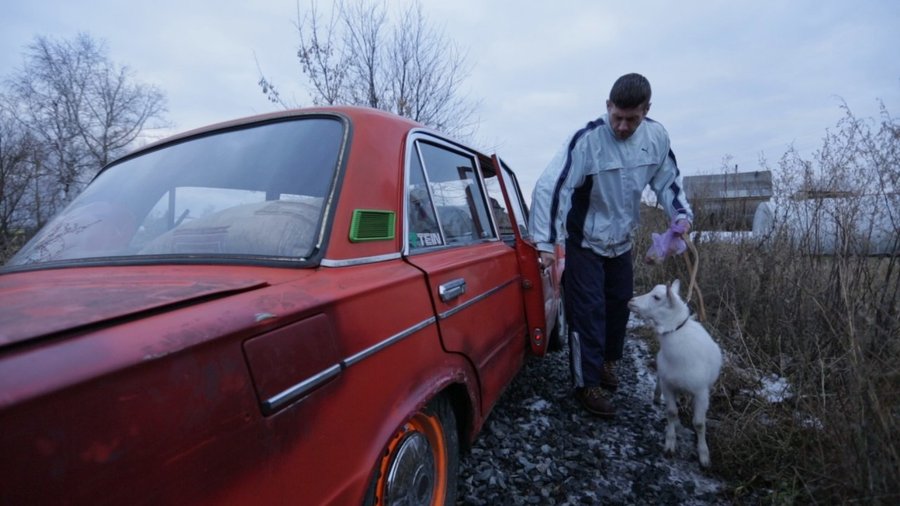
[321,59]
[17,175]
[426,74]
[81,109]
[360,56]
[364,34]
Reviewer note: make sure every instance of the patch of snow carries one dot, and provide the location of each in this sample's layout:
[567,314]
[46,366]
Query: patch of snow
[809,422]
[687,474]
[734,237]
[774,388]
[539,405]
[635,321]
[646,379]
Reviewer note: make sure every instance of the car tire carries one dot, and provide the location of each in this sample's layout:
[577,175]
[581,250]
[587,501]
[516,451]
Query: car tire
[420,463]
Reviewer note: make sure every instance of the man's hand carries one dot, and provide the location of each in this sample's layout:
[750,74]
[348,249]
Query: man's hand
[547,259]
[671,243]
[675,246]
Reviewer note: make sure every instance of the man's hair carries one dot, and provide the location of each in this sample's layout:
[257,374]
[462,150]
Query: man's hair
[630,91]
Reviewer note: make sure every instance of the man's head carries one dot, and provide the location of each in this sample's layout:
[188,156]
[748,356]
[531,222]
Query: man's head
[629,101]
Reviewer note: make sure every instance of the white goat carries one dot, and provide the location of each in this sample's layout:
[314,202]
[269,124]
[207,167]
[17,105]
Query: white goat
[688,361]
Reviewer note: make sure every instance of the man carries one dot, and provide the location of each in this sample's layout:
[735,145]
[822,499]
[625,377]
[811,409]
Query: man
[590,196]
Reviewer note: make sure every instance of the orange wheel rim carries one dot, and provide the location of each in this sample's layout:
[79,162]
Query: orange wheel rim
[421,429]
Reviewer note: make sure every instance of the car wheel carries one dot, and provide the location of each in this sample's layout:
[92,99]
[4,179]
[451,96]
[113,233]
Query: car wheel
[420,463]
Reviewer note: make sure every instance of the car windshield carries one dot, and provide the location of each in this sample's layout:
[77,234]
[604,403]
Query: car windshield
[255,191]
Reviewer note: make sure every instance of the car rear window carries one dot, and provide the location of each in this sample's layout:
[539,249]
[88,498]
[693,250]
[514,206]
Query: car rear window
[254,191]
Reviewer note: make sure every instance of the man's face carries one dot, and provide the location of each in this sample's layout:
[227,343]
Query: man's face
[625,121]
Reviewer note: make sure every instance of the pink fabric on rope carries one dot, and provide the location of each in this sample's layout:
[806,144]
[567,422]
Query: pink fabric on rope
[668,244]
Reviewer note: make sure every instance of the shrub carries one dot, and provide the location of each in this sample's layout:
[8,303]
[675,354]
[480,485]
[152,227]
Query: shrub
[826,323]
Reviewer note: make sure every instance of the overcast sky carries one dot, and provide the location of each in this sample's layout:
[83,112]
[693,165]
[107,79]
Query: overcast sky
[730,78]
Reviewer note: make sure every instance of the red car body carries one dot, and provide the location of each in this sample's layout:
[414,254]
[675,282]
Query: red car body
[145,364]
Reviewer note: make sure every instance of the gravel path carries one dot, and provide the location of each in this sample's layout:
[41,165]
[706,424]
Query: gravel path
[540,447]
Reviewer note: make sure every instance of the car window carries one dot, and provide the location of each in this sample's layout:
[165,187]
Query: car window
[456,191]
[520,209]
[498,208]
[257,190]
[424,230]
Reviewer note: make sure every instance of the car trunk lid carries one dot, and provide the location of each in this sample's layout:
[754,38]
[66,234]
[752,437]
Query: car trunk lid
[42,303]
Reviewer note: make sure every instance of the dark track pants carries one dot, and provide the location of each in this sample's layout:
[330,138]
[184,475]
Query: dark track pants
[597,291]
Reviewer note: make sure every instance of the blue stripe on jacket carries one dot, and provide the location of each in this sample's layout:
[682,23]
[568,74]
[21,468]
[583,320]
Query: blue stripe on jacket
[676,190]
[554,205]
[581,202]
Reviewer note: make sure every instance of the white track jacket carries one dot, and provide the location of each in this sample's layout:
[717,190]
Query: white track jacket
[591,190]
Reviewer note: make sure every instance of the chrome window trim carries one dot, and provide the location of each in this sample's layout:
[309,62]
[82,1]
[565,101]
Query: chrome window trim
[477,298]
[326,262]
[338,177]
[412,147]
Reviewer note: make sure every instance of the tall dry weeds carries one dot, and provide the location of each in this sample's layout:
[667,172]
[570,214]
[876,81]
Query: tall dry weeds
[811,304]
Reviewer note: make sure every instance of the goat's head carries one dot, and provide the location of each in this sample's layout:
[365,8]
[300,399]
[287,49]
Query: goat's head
[662,305]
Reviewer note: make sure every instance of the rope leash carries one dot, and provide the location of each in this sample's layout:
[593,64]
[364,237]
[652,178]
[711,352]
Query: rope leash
[677,241]
[693,267]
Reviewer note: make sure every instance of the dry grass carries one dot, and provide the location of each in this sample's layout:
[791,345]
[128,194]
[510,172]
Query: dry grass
[838,347]
[829,325]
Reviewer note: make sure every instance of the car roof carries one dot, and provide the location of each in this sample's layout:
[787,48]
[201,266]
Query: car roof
[355,114]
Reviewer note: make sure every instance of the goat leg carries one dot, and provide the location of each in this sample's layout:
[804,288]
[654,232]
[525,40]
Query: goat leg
[671,418]
[701,404]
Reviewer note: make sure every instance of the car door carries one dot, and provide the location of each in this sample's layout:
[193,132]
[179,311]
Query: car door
[473,276]
[542,286]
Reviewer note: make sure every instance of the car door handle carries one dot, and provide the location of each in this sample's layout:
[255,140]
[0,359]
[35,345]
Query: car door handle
[452,289]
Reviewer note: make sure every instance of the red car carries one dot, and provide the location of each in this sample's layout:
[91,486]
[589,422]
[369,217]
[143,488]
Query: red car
[310,307]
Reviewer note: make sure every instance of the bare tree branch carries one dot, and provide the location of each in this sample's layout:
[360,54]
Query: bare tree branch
[363,41]
[17,152]
[359,56]
[79,111]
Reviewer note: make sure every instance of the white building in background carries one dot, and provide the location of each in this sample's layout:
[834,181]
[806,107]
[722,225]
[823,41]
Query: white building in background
[865,225]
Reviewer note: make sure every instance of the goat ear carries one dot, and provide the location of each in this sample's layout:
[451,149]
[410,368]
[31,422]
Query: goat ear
[669,297]
[676,287]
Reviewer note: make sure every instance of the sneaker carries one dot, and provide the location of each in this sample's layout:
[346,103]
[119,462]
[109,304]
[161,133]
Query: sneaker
[608,379]
[596,401]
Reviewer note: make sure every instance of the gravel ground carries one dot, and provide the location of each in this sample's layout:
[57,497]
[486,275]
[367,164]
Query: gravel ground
[540,447]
